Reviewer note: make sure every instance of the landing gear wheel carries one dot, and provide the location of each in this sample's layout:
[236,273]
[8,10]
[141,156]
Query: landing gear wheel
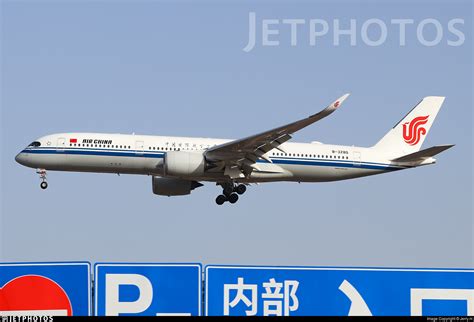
[228,190]
[240,189]
[221,199]
[42,174]
[233,198]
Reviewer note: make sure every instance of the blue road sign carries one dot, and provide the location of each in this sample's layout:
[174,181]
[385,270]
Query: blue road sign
[45,289]
[234,290]
[148,289]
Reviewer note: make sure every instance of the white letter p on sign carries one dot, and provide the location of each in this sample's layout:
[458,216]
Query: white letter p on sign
[112,284]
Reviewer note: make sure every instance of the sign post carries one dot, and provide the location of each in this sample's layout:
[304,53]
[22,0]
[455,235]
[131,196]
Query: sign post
[234,290]
[45,289]
[148,289]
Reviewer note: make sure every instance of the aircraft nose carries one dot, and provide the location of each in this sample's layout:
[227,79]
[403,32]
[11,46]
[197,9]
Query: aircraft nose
[20,158]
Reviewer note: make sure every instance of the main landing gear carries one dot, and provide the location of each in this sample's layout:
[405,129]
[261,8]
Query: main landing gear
[42,173]
[230,193]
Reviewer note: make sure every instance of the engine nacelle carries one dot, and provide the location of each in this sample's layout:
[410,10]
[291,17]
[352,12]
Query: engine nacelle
[184,164]
[173,187]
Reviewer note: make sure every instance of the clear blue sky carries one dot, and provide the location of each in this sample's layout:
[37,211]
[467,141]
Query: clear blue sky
[178,68]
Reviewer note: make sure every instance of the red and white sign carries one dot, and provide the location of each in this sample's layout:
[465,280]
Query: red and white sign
[34,295]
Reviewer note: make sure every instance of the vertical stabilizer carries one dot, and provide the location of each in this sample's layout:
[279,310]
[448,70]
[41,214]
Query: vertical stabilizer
[408,134]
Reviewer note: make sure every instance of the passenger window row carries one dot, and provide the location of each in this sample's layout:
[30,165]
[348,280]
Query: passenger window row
[319,156]
[101,145]
[163,148]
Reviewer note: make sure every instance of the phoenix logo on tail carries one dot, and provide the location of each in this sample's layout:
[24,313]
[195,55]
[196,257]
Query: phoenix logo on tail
[412,131]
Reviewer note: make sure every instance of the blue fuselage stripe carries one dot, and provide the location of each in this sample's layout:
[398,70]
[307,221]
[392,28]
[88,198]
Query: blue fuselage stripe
[160,154]
[111,153]
[337,164]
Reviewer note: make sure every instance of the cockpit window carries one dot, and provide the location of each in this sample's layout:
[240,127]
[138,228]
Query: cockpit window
[35,144]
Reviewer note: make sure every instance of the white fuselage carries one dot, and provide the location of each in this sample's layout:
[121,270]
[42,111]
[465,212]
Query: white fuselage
[144,154]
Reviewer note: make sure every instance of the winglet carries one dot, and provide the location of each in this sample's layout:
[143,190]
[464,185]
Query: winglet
[330,108]
[339,101]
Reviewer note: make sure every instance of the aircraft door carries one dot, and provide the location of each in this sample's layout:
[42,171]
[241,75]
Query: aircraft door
[139,147]
[356,158]
[61,144]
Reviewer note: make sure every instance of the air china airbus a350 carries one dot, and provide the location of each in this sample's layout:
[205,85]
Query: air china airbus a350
[178,164]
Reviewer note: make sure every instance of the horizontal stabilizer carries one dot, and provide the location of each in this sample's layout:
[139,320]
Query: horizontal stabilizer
[423,154]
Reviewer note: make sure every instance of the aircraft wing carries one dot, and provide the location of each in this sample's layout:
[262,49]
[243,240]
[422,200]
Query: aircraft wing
[241,154]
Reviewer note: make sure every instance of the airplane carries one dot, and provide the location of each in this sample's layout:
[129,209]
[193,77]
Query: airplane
[178,165]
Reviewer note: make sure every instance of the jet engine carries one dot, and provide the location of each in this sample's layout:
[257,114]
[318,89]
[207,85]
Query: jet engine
[184,164]
[173,187]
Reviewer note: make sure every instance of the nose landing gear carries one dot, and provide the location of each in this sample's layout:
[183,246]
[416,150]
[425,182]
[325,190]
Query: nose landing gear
[230,193]
[42,173]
